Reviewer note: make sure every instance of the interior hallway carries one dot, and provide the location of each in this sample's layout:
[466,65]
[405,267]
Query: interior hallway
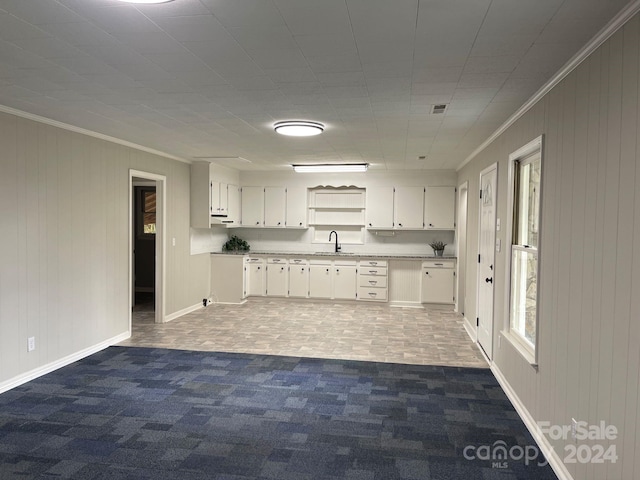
[350,331]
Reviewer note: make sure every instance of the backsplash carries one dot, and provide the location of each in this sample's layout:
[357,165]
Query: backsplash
[294,240]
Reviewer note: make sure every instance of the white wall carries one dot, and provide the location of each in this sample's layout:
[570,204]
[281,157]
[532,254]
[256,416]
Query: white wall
[292,240]
[64,244]
[589,310]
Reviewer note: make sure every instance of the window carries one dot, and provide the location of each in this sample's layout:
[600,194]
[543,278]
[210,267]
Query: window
[523,295]
[146,202]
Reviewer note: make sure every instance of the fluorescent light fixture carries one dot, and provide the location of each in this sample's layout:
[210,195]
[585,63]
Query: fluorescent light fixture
[331,168]
[299,128]
[146,1]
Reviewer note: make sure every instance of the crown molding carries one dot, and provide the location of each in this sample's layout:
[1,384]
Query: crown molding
[90,133]
[602,36]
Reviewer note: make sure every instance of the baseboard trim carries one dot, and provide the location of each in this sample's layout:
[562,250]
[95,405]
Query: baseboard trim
[555,462]
[63,362]
[471,330]
[182,312]
[393,303]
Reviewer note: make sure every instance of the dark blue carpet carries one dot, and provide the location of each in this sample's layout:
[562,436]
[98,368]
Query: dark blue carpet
[138,413]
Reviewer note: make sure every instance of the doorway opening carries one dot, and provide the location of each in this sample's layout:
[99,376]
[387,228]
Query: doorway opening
[146,249]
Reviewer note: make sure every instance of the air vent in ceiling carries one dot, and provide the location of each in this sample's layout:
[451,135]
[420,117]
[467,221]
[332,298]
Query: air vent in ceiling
[440,108]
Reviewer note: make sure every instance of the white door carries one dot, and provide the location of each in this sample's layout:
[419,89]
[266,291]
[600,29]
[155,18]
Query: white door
[252,208]
[299,280]
[345,283]
[379,207]
[296,207]
[275,199]
[486,266]
[409,207]
[440,208]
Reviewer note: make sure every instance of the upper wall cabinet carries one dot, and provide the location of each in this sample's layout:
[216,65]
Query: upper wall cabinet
[275,201]
[408,208]
[252,200]
[439,208]
[210,198]
[379,207]
[274,207]
[296,215]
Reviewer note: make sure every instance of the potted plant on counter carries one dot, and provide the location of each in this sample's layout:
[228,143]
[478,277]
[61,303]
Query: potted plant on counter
[235,244]
[438,247]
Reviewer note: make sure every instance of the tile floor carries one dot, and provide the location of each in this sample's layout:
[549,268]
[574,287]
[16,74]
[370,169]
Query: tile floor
[351,331]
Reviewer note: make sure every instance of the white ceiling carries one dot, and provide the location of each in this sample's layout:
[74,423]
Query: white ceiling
[208,78]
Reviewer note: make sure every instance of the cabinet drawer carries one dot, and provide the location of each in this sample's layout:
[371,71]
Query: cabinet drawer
[253,260]
[365,293]
[372,281]
[298,261]
[437,264]
[320,262]
[377,271]
[276,260]
[373,263]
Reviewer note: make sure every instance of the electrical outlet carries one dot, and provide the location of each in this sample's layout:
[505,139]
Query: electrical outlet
[31,344]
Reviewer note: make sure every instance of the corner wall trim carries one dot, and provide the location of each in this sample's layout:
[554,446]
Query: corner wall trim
[182,312]
[602,36]
[63,362]
[555,462]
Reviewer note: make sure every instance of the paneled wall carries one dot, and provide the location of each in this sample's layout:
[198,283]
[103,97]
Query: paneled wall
[589,310]
[64,242]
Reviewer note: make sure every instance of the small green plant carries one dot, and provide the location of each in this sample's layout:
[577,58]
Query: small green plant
[437,245]
[235,244]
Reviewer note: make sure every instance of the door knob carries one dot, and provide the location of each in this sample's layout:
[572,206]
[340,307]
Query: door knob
[489,280]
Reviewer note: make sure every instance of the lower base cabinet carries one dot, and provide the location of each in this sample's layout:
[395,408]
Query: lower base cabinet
[298,279]
[276,273]
[320,280]
[438,282]
[345,281]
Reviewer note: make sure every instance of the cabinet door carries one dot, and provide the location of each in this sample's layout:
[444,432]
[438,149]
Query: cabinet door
[379,207]
[439,208]
[437,285]
[296,207]
[252,206]
[320,281]
[223,201]
[408,207]
[215,197]
[274,206]
[345,283]
[276,280]
[298,280]
[233,213]
[256,279]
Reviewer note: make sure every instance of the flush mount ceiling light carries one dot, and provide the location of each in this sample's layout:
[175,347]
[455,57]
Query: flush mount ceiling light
[299,128]
[146,1]
[331,168]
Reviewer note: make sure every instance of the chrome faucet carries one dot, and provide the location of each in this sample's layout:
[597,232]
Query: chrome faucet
[337,246]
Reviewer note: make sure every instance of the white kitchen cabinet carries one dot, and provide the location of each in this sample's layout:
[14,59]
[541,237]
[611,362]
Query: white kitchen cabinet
[298,277]
[438,281]
[379,207]
[219,198]
[227,278]
[409,208]
[439,208]
[372,280]
[254,276]
[252,206]
[276,276]
[275,207]
[320,279]
[345,282]
[296,215]
[233,214]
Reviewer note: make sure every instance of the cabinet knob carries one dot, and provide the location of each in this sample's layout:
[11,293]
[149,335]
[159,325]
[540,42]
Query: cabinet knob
[300,223]
[370,225]
[327,269]
[399,224]
[426,273]
[278,223]
[431,224]
[257,223]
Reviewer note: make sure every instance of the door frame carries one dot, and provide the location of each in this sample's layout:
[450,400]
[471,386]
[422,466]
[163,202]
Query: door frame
[160,280]
[461,246]
[486,170]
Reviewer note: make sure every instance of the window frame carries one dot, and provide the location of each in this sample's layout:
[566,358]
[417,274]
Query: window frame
[522,156]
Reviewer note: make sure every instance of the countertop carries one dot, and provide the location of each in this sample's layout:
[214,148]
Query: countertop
[399,256]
